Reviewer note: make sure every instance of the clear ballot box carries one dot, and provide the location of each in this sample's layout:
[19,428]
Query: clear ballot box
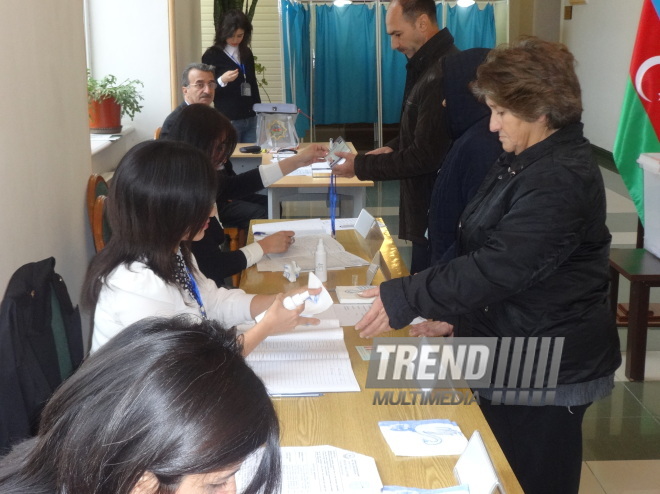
[276,125]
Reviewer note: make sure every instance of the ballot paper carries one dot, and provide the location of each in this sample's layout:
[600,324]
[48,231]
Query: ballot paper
[423,437]
[324,469]
[303,251]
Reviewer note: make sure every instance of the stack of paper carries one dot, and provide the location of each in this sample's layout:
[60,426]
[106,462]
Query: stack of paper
[310,359]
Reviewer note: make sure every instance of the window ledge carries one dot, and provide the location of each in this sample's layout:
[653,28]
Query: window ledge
[99,142]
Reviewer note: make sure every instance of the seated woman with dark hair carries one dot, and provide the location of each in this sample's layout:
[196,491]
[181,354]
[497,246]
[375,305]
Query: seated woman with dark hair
[211,132]
[168,406]
[160,200]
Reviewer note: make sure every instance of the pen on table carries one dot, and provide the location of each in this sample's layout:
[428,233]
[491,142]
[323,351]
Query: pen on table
[259,234]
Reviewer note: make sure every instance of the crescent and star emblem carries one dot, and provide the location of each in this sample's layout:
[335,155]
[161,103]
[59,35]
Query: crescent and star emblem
[641,72]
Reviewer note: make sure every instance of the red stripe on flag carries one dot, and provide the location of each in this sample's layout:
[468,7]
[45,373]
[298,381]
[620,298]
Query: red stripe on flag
[645,63]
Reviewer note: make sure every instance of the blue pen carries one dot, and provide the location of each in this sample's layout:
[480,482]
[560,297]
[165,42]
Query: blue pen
[261,234]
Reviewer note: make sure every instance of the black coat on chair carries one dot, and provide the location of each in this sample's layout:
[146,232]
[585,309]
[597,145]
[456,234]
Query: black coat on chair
[40,346]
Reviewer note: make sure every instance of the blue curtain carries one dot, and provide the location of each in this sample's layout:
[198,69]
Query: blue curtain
[295,43]
[345,80]
[393,73]
[471,27]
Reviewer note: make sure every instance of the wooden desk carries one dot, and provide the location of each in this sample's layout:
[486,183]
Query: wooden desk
[292,186]
[643,270]
[350,420]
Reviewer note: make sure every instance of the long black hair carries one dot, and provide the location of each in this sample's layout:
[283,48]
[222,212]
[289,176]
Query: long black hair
[231,21]
[161,192]
[169,397]
[206,129]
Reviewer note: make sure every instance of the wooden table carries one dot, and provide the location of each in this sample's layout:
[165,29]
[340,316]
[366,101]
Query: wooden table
[298,187]
[350,420]
[643,270]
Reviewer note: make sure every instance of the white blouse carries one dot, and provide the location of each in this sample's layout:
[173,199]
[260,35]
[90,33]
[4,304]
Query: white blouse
[133,293]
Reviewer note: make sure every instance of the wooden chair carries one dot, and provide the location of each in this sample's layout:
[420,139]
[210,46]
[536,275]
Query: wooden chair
[237,239]
[96,186]
[157,133]
[100,228]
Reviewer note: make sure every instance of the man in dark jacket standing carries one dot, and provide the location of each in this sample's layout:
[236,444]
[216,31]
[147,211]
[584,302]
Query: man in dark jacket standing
[415,156]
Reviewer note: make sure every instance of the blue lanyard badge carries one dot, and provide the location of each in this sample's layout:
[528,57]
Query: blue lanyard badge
[196,294]
[332,200]
[240,65]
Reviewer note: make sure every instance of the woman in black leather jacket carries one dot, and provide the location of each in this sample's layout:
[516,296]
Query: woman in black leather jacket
[533,261]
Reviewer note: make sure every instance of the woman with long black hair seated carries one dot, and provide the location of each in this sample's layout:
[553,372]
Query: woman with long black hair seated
[211,132]
[167,406]
[160,200]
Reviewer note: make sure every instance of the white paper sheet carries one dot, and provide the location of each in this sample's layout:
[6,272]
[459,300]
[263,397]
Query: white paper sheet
[318,470]
[350,314]
[325,469]
[340,224]
[300,227]
[303,171]
[303,250]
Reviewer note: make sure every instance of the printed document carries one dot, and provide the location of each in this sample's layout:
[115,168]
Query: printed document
[322,469]
[310,359]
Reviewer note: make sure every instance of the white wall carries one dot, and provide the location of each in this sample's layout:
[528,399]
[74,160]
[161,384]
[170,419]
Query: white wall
[44,138]
[601,35]
[131,39]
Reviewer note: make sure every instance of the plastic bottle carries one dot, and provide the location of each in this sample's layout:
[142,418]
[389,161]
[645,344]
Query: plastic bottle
[320,262]
[290,303]
[295,300]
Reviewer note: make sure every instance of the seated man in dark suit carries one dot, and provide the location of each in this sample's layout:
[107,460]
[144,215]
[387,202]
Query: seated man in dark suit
[198,85]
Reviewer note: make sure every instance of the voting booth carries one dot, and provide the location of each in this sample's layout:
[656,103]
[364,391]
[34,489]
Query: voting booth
[276,125]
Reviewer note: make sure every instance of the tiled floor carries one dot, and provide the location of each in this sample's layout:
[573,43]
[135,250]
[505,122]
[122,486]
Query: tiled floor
[621,434]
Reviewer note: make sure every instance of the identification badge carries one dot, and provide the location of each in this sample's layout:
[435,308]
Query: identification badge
[246,90]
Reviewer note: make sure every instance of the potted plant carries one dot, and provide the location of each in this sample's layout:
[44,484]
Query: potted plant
[109,100]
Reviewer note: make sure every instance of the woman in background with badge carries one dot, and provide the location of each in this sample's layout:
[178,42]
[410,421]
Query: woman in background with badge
[237,88]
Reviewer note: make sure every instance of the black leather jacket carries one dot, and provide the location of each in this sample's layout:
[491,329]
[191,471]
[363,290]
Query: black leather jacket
[423,138]
[534,260]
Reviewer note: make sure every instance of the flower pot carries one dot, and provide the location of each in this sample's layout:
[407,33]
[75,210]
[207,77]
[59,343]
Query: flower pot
[104,117]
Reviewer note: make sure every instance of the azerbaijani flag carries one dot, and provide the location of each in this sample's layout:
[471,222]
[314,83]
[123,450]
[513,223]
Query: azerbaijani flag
[639,126]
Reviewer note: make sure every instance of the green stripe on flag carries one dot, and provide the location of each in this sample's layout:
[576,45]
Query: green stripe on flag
[635,136]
